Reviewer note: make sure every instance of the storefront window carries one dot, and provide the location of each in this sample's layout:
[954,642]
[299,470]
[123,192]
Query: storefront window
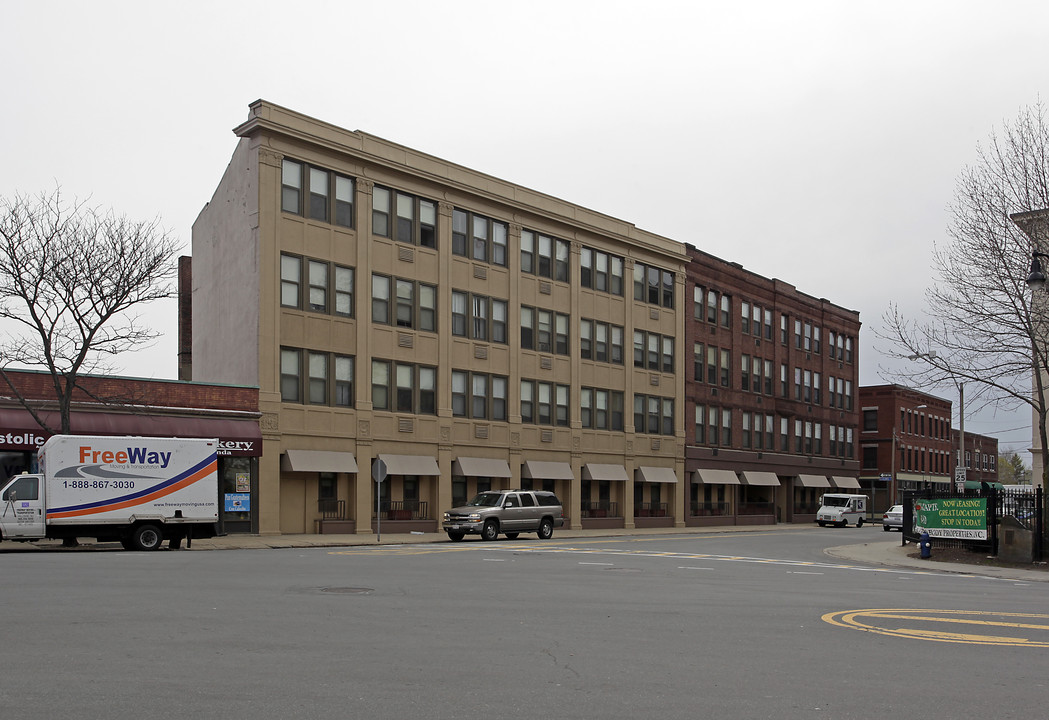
[236,493]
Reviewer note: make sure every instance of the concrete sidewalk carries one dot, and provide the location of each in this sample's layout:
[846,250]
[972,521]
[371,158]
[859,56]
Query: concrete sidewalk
[884,553]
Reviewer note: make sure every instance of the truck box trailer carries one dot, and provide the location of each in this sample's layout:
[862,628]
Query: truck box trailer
[139,491]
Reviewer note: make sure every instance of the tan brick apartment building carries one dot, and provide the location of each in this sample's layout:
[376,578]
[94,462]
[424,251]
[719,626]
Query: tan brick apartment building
[469,332]
[770,396]
[476,334]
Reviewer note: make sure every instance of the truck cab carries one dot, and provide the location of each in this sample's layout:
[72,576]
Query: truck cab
[22,514]
[840,509]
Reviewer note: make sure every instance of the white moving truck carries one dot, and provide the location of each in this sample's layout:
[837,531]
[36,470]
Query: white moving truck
[841,509]
[136,490]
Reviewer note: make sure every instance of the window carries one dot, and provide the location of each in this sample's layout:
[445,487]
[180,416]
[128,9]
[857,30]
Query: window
[600,271]
[414,388]
[320,370]
[319,194]
[544,403]
[870,420]
[544,256]
[329,288]
[318,186]
[318,380]
[653,415]
[290,281]
[380,299]
[290,375]
[544,331]
[601,409]
[479,317]
[653,285]
[653,351]
[344,381]
[478,237]
[415,218]
[343,290]
[415,304]
[291,187]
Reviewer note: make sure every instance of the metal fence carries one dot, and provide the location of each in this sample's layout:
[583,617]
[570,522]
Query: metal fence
[1026,506]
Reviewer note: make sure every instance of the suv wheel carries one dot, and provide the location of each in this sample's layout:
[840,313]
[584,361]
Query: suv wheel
[546,529]
[490,531]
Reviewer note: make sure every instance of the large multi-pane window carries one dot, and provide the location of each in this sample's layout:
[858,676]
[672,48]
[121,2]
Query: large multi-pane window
[600,271]
[479,237]
[653,415]
[404,387]
[328,287]
[601,409]
[600,341]
[544,256]
[309,191]
[479,396]
[316,378]
[414,219]
[653,285]
[479,317]
[414,304]
[653,351]
[544,331]
[544,403]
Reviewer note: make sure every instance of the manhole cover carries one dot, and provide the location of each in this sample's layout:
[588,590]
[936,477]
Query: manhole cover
[348,590]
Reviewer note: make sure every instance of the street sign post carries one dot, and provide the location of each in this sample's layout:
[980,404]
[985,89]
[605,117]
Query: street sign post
[959,479]
[379,474]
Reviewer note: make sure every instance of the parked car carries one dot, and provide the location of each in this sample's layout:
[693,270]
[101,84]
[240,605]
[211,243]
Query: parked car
[893,518]
[510,512]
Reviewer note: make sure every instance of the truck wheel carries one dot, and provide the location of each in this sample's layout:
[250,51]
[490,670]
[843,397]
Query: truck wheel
[546,529]
[859,523]
[821,523]
[490,531]
[456,535]
[147,537]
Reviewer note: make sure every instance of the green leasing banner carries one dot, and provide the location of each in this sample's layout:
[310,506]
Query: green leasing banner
[961,518]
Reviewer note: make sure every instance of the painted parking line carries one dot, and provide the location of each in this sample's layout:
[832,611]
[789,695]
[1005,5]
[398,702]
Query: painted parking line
[969,627]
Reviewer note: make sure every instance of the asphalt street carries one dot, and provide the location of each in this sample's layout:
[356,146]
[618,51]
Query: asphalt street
[742,624]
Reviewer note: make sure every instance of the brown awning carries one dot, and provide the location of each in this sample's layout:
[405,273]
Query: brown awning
[546,470]
[236,436]
[481,467]
[845,482]
[814,481]
[410,465]
[318,461]
[718,477]
[598,471]
[650,474]
[762,479]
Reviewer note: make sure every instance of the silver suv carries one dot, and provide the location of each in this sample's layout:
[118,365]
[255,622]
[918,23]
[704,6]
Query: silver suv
[510,512]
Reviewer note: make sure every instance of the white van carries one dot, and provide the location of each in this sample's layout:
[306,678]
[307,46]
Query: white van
[841,509]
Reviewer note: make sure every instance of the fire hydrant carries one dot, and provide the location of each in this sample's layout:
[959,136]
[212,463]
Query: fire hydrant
[925,545]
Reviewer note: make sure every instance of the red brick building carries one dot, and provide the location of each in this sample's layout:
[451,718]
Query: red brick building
[771,414]
[905,442]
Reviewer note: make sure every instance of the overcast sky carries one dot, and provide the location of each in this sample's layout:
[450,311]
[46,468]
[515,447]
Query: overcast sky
[815,142]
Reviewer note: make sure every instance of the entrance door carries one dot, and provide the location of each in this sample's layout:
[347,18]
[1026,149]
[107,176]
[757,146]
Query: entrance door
[22,514]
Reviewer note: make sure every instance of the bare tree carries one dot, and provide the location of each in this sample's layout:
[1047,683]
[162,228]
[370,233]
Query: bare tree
[72,279]
[979,327]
